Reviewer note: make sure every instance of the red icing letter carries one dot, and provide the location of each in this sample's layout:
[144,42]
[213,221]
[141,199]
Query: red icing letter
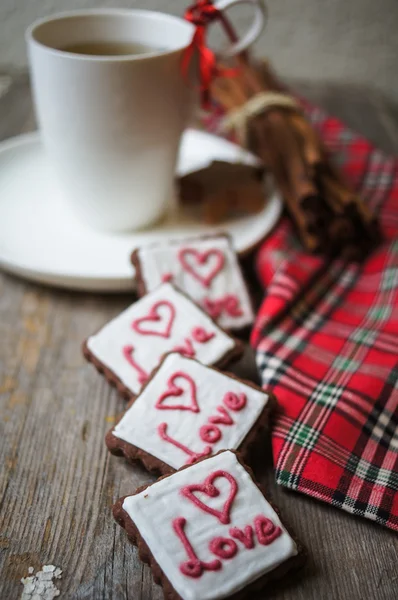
[223,547]
[174,390]
[154,317]
[231,306]
[193,456]
[223,419]
[245,536]
[210,433]
[228,304]
[266,531]
[212,307]
[193,567]
[201,336]
[127,353]
[185,349]
[208,488]
[235,402]
[201,258]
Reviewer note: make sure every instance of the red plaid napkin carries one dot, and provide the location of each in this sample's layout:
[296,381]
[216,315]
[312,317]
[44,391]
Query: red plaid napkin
[327,344]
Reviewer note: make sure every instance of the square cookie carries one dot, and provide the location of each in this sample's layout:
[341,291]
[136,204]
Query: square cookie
[206,269]
[129,347]
[208,532]
[187,411]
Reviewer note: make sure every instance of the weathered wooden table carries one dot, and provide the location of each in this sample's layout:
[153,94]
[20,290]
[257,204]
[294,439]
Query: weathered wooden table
[57,480]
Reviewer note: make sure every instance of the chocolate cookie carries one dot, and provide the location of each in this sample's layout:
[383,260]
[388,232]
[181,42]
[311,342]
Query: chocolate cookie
[128,348]
[186,411]
[208,531]
[206,268]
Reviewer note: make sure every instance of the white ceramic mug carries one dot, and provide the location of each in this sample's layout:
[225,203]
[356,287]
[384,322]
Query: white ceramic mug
[111,125]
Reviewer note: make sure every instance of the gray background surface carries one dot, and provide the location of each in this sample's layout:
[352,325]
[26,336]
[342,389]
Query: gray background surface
[350,41]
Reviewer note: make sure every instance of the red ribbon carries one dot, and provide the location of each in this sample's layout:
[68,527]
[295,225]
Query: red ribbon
[201,14]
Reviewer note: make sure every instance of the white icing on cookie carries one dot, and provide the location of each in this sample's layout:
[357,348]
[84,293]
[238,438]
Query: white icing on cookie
[156,509]
[131,345]
[207,270]
[140,424]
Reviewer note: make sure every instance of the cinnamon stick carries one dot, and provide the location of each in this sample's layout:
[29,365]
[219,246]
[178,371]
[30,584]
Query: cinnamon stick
[329,216]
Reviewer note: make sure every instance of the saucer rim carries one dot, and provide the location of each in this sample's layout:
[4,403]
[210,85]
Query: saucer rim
[109,283]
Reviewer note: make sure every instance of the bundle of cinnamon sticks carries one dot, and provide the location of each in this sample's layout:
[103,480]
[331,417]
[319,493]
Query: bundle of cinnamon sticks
[330,217]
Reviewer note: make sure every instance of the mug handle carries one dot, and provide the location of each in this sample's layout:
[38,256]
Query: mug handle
[253,32]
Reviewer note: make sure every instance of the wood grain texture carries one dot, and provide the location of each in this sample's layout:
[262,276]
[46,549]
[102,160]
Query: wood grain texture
[57,481]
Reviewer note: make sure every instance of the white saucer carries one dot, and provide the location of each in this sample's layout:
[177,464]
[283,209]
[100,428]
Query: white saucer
[41,240]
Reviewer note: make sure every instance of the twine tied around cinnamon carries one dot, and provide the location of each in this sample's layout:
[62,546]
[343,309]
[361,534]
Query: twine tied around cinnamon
[238,118]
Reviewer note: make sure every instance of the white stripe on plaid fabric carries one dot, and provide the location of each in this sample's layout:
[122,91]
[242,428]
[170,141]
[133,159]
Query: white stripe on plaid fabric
[335,453]
[382,341]
[385,179]
[272,373]
[375,168]
[273,370]
[387,427]
[390,279]
[306,431]
[354,407]
[284,287]
[281,292]
[355,351]
[365,335]
[351,506]
[382,428]
[270,367]
[323,399]
[368,282]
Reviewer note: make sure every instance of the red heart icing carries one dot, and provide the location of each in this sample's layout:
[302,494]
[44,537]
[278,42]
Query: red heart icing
[208,488]
[201,258]
[174,390]
[154,317]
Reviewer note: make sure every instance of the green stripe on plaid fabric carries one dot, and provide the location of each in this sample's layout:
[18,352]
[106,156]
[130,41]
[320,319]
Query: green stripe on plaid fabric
[346,364]
[390,279]
[340,456]
[364,336]
[380,313]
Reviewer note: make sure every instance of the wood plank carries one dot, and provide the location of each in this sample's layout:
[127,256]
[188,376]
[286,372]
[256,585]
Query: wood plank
[57,482]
